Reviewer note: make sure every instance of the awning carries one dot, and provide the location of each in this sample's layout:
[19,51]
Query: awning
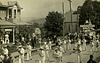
[6,23]
[21,23]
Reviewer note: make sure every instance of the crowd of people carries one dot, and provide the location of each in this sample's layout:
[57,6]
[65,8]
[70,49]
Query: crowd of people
[62,44]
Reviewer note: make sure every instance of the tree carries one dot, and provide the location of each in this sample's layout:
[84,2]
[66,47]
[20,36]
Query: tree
[54,22]
[90,10]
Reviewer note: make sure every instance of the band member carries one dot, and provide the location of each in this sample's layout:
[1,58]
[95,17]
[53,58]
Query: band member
[97,45]
[5,50]
[84,44]
[46,49]
[69,44]
[92,47]
[57,56]
[28,48]
[61,50]
[42,55]
[50,43]
[21,54]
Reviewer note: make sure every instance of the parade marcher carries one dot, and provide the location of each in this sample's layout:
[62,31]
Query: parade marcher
[69,44]
[50,44]
[42,55]
[21,54]
[61,50]
[28,48]
[92,47]
[8,60]
[57,56]
[91,60]
[6,38]
[1,57]
[79,53]
[33,40]
[40,41]
[84,44]
[54,38]
[97,45]
[5,50]
[46,49]
[64,45]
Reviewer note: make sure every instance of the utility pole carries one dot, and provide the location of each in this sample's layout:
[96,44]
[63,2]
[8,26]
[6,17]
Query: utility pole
[71,15]
[63,17]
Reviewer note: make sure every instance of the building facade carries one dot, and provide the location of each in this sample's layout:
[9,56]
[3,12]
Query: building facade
[71,27]
[10,19]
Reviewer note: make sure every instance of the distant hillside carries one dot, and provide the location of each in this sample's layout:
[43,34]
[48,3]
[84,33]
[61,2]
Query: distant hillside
[39,21]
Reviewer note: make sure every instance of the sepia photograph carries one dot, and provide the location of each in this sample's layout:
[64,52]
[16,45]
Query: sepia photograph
[49,31]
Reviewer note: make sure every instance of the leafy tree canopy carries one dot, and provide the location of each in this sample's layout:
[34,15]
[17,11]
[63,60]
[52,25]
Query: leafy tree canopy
[54,22]
[90,10]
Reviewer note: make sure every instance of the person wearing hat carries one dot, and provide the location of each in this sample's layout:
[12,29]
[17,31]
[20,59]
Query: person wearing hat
[42,55]
[5,50]
[28,49]
[21,54]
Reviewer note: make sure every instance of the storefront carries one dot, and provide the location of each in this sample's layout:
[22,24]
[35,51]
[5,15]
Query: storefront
[7,28]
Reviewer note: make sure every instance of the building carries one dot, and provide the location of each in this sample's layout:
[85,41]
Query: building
[68,27]
[10,19]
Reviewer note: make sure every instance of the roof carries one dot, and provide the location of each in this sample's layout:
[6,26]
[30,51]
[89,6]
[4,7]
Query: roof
[6,23]
[68,17]
[13,3]
[4,6]
[21,23]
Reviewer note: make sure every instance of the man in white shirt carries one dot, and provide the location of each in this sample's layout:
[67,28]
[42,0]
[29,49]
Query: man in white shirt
[5,50]
[6,38]
[46,49]
[28,48]
[42,55]
[21,54]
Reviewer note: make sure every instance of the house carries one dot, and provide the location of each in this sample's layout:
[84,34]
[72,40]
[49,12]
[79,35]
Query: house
[71,27]
[10,19]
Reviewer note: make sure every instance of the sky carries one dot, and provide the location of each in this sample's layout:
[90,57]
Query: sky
[35,9]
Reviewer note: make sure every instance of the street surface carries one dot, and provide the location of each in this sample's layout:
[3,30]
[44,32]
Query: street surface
[68,57]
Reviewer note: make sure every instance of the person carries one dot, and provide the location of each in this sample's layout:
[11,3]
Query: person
[92,47]
[84,44]
[46,49]
[69,44]
[42,55]
[5,50]
[1,57]
[28,48]
[91,60]
[97,45]
[61,50]
[79,53]
[50,44]
[21,54]
[8,60]
[64,45]
[54,38]
[57,56]
[6,38]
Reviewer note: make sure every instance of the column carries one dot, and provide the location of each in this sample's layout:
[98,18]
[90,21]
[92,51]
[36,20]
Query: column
[13,36]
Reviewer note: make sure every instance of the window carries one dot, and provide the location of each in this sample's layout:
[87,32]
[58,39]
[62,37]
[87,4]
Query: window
[14,13]
[10,13]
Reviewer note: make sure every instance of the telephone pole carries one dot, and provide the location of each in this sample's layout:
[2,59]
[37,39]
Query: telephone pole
[63,16]
[71,15]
